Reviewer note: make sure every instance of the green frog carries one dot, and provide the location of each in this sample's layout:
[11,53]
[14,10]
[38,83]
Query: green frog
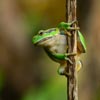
[54,42]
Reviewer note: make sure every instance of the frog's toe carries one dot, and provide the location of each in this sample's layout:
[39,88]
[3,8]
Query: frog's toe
[66,58]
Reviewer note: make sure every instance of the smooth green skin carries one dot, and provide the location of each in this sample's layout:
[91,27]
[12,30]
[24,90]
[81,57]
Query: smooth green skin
[42,35]
[67,26]
[53,32]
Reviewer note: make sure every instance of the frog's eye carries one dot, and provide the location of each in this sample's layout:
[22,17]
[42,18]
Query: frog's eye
[41,33]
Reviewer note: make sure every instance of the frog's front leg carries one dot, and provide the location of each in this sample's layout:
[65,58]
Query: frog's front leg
[67,31]
[66,25]
[72,28]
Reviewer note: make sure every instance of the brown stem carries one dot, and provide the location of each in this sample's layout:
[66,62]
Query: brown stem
[72,90]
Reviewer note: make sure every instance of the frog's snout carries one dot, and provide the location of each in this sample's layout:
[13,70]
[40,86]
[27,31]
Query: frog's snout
[34,40]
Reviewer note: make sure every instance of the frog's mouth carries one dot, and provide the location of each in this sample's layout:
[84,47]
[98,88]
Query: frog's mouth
[43,41]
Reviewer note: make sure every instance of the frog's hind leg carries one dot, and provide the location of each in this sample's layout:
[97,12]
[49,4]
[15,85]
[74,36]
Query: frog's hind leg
[62,71]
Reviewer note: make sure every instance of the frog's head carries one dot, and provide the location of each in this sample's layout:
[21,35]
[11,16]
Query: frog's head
[44,36]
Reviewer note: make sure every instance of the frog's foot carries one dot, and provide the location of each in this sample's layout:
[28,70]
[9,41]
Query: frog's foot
[78,65]
[62,71]
[73,28]
[70,29]
[69,54]
[68,33]
[74,21]
[68,59]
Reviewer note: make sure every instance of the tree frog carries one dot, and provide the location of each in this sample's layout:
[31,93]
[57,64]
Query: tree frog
[54,42]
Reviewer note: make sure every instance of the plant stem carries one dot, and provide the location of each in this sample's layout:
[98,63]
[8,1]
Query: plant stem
[72,80]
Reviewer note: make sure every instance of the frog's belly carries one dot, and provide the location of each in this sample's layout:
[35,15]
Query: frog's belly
[53,56]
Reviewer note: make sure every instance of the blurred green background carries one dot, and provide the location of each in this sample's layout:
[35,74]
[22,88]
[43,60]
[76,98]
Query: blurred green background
[26,72]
